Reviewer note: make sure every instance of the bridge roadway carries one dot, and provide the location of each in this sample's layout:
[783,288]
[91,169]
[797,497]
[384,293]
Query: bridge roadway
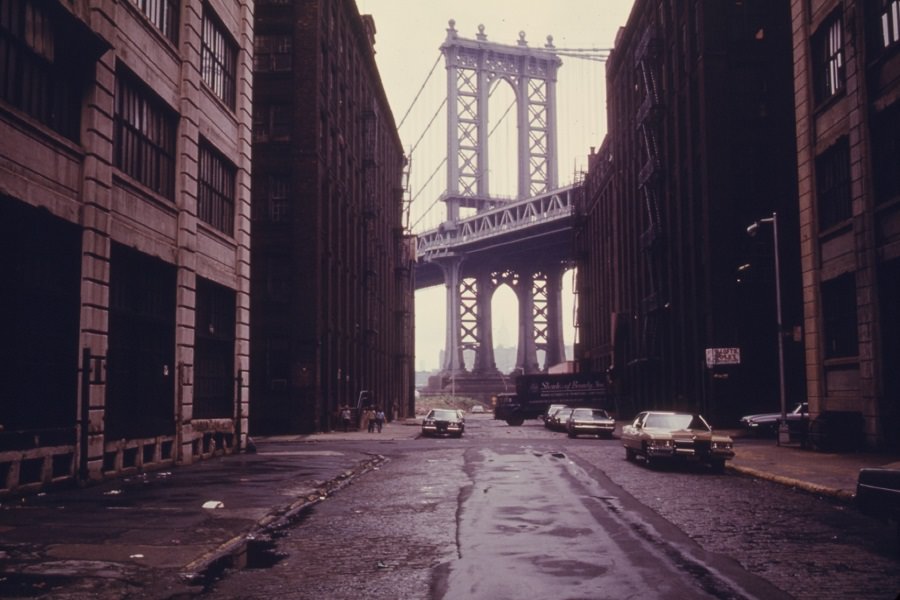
[517,235]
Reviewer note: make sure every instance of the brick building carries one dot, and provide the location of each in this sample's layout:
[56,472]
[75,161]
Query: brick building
[847,80]
[124,227]
[332,280]
[700,145]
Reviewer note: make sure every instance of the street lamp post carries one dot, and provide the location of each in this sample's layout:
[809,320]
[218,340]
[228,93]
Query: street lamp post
[783,431]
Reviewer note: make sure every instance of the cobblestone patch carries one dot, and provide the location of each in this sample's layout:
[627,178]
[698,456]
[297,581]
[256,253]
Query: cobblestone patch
[808,546]
[377,539]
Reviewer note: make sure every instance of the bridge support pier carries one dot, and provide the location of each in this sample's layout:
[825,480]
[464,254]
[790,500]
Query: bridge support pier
[484,354]
[469,321]
[453,356]
[555,348]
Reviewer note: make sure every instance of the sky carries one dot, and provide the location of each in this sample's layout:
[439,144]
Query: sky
[408,37]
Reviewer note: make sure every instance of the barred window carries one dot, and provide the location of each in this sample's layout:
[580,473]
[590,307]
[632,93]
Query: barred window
[272,53]
[833,185]
[271,123]
[144,136]
[279,201]
[163,14]
[271,200]
[218,58]
[839,317]
[39,69]
[890,22]
[829,72]
[215,194]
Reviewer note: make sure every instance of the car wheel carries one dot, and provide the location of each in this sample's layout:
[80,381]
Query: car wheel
[629,454]
[571,434]
[515,421]
[718,466]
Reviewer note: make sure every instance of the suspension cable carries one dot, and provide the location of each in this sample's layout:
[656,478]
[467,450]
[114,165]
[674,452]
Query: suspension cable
[419,93]
[430,123]
[421,189]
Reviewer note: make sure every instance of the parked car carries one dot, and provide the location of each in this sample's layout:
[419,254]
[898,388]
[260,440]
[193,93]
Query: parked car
[551,410]
[878,494]
[590,421]
[656,435]
[477,409]
[767,423]
[443,421]
[557,421]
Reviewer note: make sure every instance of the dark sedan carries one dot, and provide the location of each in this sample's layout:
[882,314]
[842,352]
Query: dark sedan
[443,421]
[590,421]
[767,423]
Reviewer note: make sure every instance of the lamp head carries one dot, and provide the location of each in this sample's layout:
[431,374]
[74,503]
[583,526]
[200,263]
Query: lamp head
[753,228]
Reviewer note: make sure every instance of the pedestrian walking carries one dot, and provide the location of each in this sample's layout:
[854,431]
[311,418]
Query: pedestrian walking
[370,419]
[379,419]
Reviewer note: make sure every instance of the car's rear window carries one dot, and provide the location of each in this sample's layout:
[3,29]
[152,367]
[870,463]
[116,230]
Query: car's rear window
[444,415]
[595,413]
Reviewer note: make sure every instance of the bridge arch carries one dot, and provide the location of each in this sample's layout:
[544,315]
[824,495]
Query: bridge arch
[503,141]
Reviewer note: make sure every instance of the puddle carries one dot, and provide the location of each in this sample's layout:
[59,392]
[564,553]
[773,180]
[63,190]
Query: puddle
[24,585]
[262,554]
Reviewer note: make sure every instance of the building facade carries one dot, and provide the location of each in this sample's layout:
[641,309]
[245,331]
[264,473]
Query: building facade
[125,224]
[700,145]
[847,81]
[332,279]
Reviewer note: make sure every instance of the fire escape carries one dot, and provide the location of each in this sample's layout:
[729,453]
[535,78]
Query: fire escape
[650,185]
[370,325]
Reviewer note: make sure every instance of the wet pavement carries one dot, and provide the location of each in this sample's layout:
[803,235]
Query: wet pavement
[198,519]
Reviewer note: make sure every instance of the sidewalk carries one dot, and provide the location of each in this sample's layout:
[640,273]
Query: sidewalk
[824,473]
[128,536]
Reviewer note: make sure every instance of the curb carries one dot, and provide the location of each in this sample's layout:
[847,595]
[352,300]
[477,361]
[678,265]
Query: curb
[230,553]
[813,488]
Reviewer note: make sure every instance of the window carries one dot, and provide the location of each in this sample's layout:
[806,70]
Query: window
[279,203]
[39,72]
[144,136]
[889,22]
[271,123]
[214,351]
[886,153]
[163,14]
[828,59]
[218,58]
[270,198]
[272,53]
[833,185]
[215,193]
[839,317]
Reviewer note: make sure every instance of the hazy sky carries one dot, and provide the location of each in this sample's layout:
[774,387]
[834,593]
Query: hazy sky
[409,34]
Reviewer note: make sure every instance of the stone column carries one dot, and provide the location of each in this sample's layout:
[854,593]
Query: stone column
[484,355]
[453,357]
[526,357]
[556,346]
